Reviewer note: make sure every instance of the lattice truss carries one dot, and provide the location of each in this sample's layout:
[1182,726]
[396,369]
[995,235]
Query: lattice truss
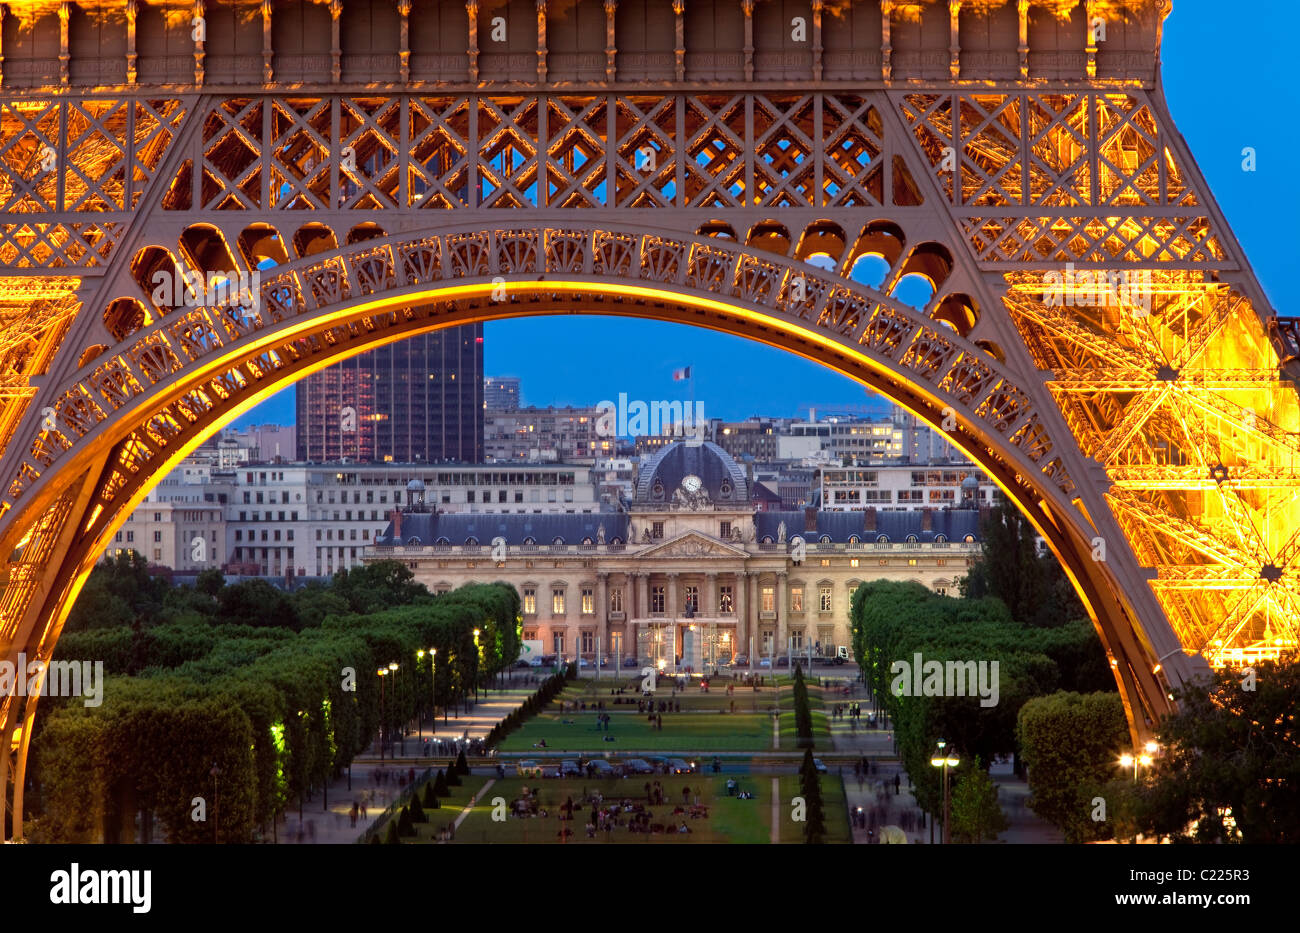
[1052,160]
[274,153]
[79,168]
[1168,381]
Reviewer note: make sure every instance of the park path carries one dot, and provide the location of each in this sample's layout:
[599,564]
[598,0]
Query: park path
[482,793]
[776,811]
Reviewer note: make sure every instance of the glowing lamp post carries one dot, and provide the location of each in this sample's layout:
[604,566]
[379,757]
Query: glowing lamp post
[477,649]
[945,759]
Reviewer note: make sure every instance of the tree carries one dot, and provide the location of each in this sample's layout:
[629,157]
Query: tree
[1228,769]
[417,811]
[430,801]
[391,836]
[1033,586]
[462,766]
[210,582]
[976,815]
[256,602]
[405,825]
[1071,743]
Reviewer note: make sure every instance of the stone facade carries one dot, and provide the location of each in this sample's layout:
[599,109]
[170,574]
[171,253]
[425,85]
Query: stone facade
[690,574]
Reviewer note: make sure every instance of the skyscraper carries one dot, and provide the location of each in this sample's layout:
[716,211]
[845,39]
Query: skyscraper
[416,400]
[501,393]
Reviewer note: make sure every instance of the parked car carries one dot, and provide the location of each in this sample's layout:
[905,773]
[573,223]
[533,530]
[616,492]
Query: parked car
[741,661]
[817,764]
[600,768]
[529,769]
[659,764]
[681,766]
[584,663]
[569,767]
[764,662]
[630,662]
[547,660]
[783,661]
[523,664]
[638,766]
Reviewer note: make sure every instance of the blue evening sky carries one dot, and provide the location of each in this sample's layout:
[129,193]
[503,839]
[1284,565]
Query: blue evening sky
[1225,78]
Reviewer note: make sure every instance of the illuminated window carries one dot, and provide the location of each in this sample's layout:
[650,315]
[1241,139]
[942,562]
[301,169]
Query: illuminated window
[588,601]
[530,600]
[557,601]
[825,598]
[796,599]
[768,597]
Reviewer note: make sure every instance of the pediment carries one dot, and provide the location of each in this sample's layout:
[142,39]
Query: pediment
[695,545]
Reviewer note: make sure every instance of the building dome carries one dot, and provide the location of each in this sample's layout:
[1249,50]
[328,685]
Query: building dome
[699,469]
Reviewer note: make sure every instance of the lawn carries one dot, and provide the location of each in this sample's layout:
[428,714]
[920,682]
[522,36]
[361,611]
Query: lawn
[821,731]
[730,819]
[746,699]
[686,732]
[449,808]
[833,804]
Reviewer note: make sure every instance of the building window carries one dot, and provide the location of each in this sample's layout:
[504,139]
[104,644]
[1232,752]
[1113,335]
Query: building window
[768,603]
[557,643]
[724,530]
[692,599]
[557,601]
[157,537]
[826,561]
[796,599]
[588,642]
[657,599]
[853,562]
[530,601]
[588,601]
[616,600]
[657,530]
[726,599]
[796,639]
[130,537]
[825,597]
[911,562]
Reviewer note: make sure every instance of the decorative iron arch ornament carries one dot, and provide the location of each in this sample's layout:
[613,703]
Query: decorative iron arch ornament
[1095,338]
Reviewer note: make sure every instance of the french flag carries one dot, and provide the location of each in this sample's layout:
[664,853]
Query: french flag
[680,375]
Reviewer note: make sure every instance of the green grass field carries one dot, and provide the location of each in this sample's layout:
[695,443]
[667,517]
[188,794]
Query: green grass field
[746,699]
[687,732]
[730,819]
[834,807]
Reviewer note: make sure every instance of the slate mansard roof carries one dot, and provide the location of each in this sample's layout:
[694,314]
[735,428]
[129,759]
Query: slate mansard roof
[459,528]
[952,524]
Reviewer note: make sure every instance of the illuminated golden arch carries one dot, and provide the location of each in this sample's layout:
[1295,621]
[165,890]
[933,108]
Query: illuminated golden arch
[318,310]
[1162,428]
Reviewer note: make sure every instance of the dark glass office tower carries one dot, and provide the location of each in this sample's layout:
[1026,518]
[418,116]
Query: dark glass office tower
[416,400]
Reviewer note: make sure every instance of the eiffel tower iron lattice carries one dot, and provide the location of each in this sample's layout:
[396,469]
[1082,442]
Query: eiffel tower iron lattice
[1095,339]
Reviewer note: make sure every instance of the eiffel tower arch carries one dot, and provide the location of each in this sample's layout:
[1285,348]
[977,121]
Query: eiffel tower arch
[202,202]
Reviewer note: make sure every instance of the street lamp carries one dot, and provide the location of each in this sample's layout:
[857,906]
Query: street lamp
[433,690]
[477,649]
[392,669]
[216,802]
[419,656]
[382,672]
[945,759]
